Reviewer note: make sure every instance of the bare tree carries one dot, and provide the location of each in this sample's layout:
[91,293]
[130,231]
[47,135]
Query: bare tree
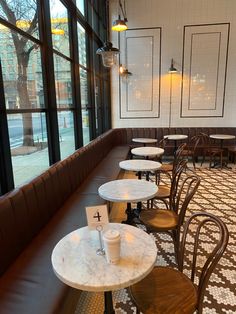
[15,11]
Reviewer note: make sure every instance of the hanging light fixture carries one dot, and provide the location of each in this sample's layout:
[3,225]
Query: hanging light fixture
[120,25]
[108,52]
[172,69]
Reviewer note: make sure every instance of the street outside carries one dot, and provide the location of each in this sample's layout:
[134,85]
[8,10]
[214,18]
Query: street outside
[27,166]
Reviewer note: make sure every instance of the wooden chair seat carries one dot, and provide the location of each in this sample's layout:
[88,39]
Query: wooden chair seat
[159,219]
[160,296]
[163,191]
[166,167]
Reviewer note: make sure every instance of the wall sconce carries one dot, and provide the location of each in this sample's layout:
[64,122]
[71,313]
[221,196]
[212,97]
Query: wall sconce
[172,70]
[120,25]
[124,73]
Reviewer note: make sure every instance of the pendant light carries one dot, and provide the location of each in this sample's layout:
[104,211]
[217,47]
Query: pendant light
[108,52]
[119,25]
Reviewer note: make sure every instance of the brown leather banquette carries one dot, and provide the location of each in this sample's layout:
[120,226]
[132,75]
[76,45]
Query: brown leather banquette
[36,215]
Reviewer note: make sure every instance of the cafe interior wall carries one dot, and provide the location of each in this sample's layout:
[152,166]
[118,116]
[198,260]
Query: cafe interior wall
[203,92]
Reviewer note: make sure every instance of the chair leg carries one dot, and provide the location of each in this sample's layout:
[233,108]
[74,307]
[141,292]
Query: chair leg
[193,159]
[203,158]
[175,236]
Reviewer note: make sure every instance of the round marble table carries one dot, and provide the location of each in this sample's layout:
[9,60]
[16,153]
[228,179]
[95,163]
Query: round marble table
[175,138]
[147,151]
[144,140]
[140,165]
[75,262]
[128,190]
[222,137]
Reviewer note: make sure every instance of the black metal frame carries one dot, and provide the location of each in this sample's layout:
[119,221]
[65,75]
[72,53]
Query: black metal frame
[47,51]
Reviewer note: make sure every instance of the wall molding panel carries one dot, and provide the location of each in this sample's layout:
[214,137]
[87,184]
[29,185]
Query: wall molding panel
[141,55]
[204,67]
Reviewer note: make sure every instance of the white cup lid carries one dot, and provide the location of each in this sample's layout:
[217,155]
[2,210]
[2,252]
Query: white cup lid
[111,234]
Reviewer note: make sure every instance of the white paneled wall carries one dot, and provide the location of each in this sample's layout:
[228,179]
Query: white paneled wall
[200,35]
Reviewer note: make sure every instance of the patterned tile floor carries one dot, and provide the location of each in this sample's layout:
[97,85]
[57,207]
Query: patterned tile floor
[217,195]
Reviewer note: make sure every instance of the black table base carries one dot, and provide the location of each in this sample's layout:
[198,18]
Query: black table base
[108,304]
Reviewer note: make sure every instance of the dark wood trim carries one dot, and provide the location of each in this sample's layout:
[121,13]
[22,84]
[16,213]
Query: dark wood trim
[6,172]
[49,85]
[75,82]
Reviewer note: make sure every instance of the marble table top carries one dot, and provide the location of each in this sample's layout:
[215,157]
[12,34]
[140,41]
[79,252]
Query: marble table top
[176,137]
[147,151]
[222,136]
[139,165]
[128,190]
[75,262]
[144,140]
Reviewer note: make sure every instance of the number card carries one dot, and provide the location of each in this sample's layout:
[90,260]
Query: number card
[97,216]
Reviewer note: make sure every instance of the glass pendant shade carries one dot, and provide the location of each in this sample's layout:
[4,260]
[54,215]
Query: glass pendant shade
[108,53]
[119,26]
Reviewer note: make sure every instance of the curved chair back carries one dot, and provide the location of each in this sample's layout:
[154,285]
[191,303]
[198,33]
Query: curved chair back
[205,139]
[178,153]
[201,221]
[178,168]
[184,195]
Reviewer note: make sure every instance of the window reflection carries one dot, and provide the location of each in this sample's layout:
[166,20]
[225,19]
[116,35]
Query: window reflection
[84,105]
[80,5]
[82,45]
[28,160]
[62,69]
[59,27]
[66,133]
[23,14]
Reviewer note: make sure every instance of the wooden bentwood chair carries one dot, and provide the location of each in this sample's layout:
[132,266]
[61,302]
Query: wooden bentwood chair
[191,149]
[170,220]
[211,151]
[166,193]
[168,168]
[166,290]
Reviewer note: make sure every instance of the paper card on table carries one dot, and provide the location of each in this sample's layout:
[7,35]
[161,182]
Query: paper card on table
[97,216]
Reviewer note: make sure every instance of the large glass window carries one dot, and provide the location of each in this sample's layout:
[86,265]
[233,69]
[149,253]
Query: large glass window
[66,133]
[60,28]
[82,45]
[84,105]
[62,70]
[22,14]
[23,88]
[40,98]
[28,160]
[80,5]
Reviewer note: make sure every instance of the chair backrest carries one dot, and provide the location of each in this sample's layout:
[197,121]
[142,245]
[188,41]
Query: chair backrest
[179,166]
[186,190]
[201,222]
[178,152]
[205,139]
[195,141]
